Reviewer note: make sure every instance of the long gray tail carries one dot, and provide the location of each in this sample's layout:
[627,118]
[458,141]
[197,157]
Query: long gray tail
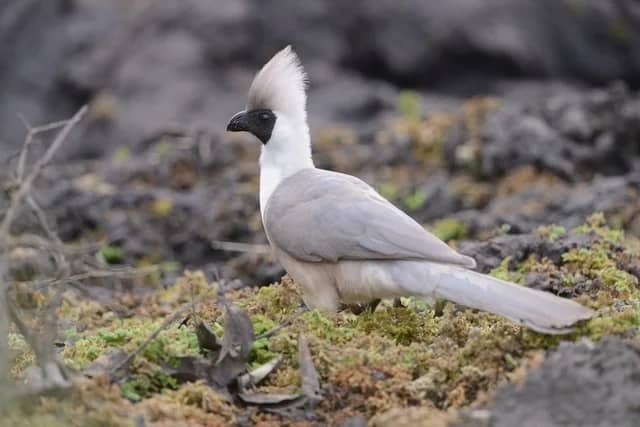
[540,311]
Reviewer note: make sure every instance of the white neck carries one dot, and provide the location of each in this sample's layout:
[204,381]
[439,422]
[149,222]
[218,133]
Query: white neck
[287,152]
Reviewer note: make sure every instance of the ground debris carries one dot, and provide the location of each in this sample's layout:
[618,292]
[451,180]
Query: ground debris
[105,364]
[599,381]
[295,406]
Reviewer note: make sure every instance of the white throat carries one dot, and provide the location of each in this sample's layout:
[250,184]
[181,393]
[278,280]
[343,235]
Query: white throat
[287,152]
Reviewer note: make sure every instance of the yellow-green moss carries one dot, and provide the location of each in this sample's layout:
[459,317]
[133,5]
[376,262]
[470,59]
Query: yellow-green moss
[449,229]
[111,254]
[330,327]
[612,321]
[128,334]
[598,263]
[402,325]
[410,104]
[597,224]
[502,271]
[22,355]
[260,352]
[276,301]
[142,385]
[551,232]
[389,191]
[414,200]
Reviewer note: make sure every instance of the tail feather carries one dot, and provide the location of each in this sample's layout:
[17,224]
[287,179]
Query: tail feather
[540,311]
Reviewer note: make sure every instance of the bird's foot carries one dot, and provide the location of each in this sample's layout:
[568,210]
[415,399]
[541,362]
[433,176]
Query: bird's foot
[361,308]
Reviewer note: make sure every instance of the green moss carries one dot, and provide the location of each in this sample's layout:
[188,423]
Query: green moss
[449,229]
[400,324]
[410,104]
[597,224]
[415,200]
[612,321]
[121,153]
[142,386]
[128,334]
[504,272]
[276,301]
[260,352]
[22,355]
[111,255]
[597,263]
[326,327]
[389,191]
[551,232]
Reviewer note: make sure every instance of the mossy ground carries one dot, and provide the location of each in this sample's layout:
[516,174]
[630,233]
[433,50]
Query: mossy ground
[414,356]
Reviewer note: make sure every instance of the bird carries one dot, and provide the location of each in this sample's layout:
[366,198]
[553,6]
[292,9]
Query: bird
[342,242]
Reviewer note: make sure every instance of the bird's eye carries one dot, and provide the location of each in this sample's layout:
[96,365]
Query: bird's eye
[264,117]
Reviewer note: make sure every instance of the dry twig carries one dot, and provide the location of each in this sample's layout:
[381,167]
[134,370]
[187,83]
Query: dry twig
[21,194]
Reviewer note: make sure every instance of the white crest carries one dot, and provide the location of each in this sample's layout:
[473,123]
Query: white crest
[280,86]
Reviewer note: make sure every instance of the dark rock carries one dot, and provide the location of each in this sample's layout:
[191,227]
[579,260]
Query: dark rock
[579,384]
[561,204]
[191,61]
[570,135]
[490,253]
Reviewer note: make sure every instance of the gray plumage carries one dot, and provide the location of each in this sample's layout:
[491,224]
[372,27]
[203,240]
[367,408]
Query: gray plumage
[343,218]
[343,242]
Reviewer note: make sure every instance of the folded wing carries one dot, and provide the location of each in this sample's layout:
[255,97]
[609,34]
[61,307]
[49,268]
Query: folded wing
[317,215]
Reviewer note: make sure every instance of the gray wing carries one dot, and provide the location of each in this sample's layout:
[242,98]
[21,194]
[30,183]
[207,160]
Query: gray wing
[317,215]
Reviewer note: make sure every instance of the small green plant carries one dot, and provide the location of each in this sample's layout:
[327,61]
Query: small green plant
[415,200]
[121,154]
[449,229]
[111,255]
[389,191]
[552,232]
[410,104]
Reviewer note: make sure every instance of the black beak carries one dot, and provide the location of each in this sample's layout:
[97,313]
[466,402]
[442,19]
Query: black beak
[239,122]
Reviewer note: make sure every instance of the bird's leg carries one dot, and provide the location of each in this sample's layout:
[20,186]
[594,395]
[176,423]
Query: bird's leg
[397,303]
[361,308]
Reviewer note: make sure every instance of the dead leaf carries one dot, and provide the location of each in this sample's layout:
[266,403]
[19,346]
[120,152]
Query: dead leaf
[206,338]
[308,372]
[259,374]
[270,399]
[238,334]
[189,368]
[105,364]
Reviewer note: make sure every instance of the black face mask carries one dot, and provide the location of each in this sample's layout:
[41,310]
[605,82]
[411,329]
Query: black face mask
[258,122]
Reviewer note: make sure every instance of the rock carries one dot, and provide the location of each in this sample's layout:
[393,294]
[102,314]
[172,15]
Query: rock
[561,204]
[490,253]
[572,136]
[579,384]
[143,67]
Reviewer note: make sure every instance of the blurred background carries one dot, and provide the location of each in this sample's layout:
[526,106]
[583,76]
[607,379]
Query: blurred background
[478,118]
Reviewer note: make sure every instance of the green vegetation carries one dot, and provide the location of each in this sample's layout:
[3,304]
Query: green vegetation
[111,255]
[410,104]
[449,229]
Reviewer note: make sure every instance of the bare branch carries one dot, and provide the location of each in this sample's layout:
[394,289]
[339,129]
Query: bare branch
[39,285]
[25,186]
[32,132]
[17,198]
